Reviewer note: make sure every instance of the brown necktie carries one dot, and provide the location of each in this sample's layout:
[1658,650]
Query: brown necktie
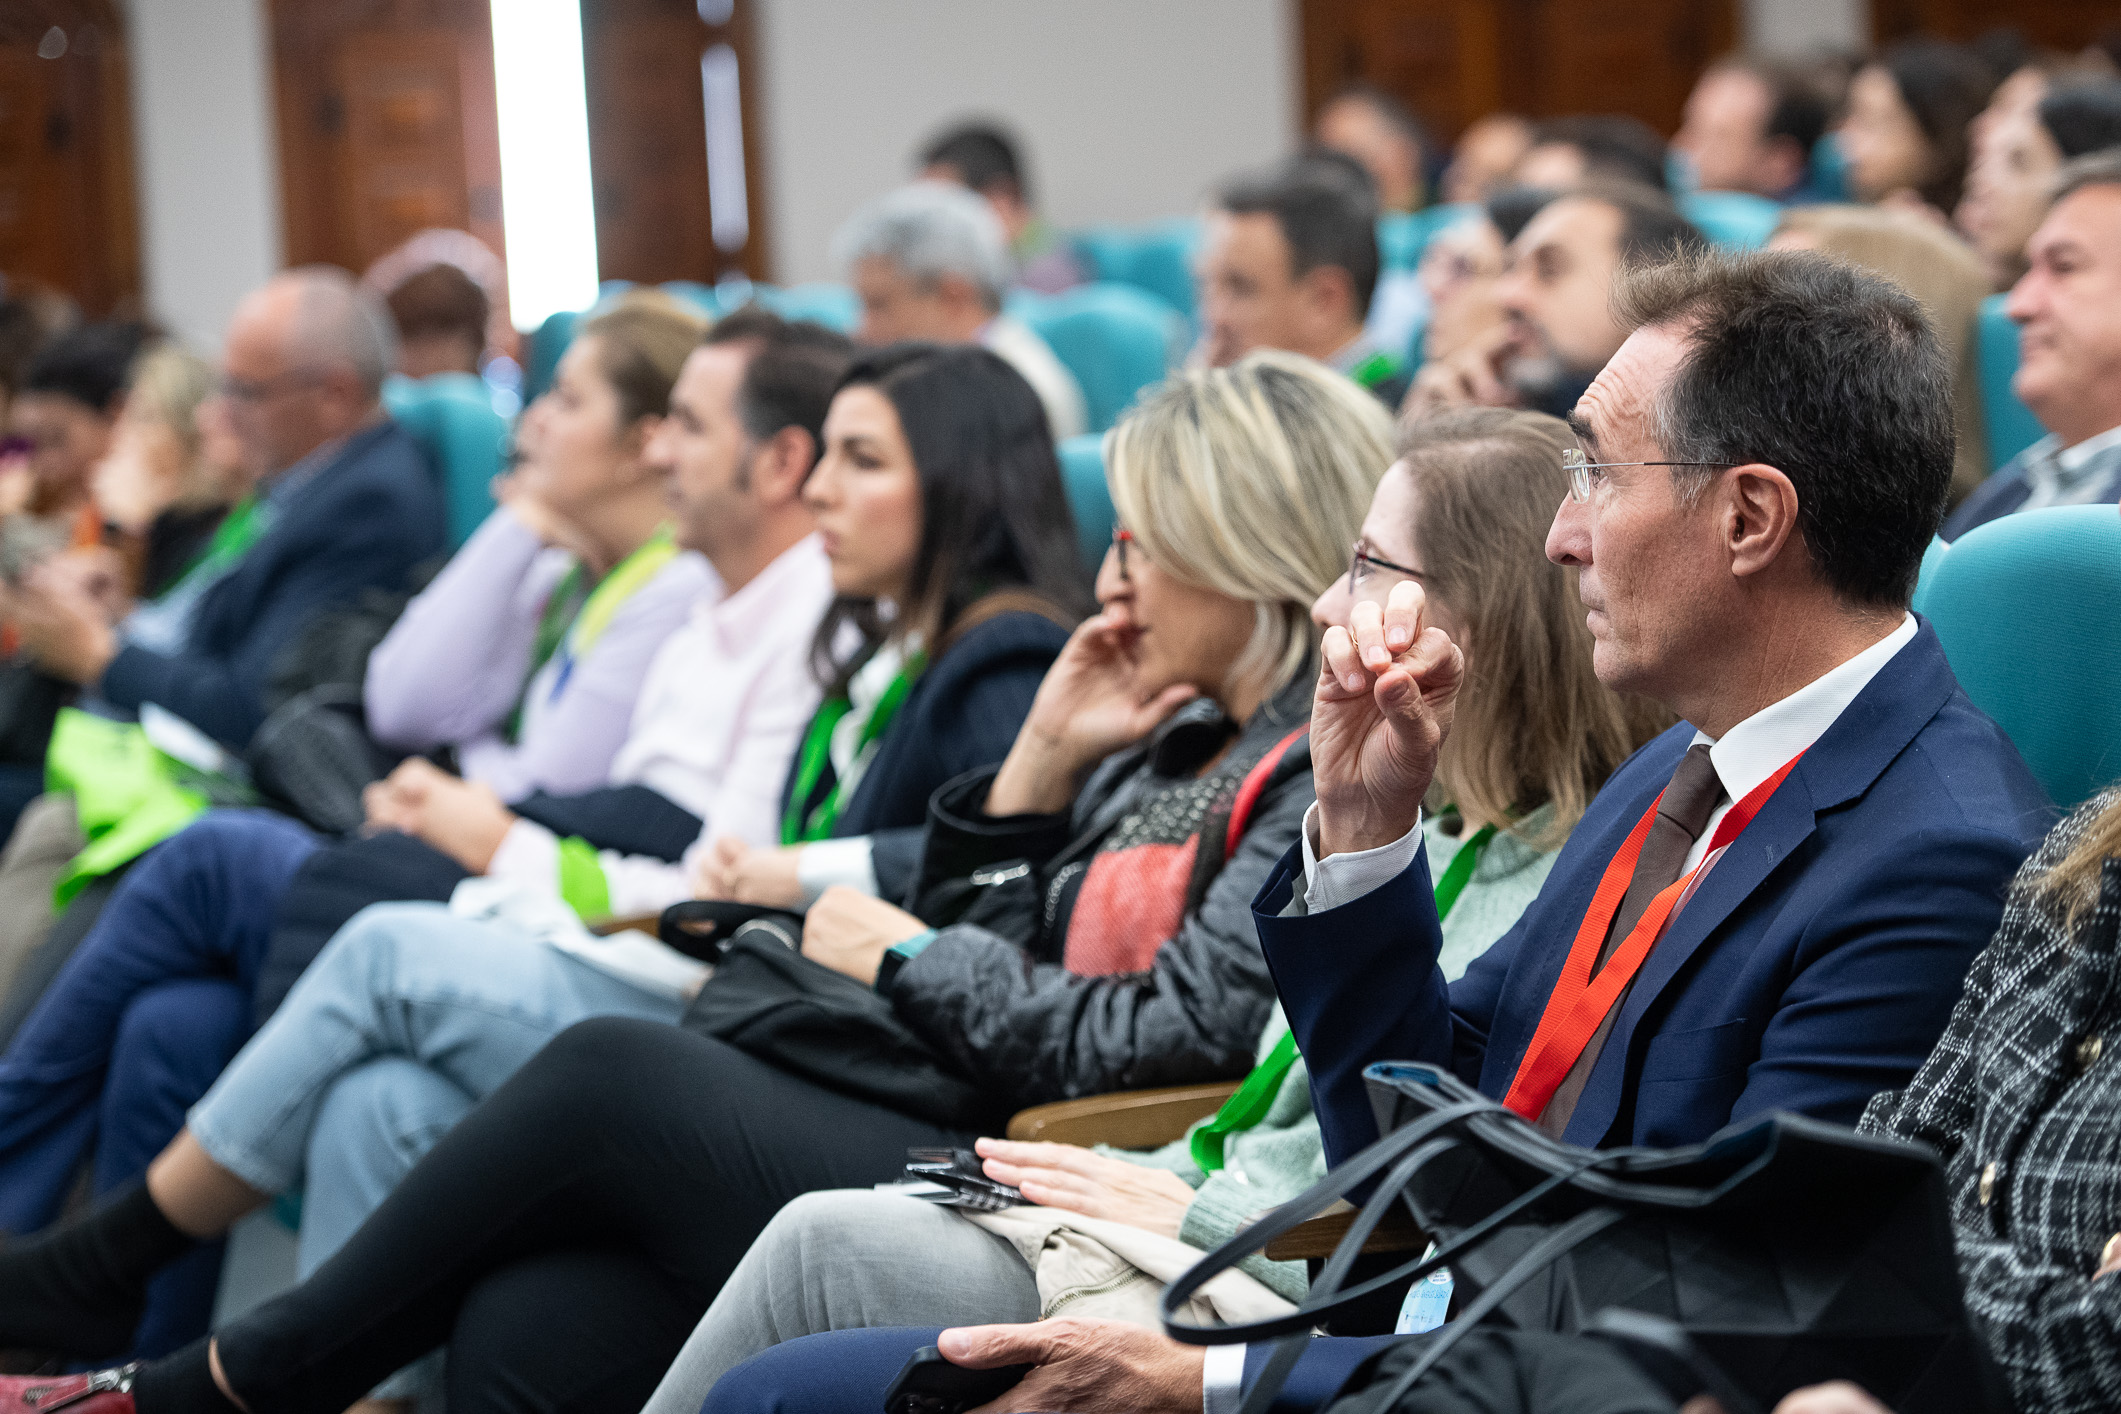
[1683,813]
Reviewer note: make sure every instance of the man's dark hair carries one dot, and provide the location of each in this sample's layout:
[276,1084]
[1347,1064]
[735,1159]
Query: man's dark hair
[1800,111]
[1327,219]
[1614,148]
[1834,376]
[1651,227]
[794,367]
[439,300]
[90,365]
[2083,117]
[984,156]
[2094,169]
[1511,209]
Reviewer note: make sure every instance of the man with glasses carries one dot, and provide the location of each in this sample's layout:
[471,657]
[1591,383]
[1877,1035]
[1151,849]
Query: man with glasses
[1773,905]
[344,501]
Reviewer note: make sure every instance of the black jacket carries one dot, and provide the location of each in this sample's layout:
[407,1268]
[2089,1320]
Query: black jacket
[362,519]
[962,713]
[990,993]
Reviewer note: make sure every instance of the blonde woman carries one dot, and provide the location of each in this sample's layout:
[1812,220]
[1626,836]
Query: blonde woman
[1936,267]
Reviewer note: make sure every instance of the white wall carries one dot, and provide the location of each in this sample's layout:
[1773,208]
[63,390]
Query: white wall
[208,170]
[1799,27]
[1128,109]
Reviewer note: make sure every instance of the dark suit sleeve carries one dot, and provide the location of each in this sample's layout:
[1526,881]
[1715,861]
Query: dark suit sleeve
[1326,1365]
[224,695]
[1877,973]
[1359,984]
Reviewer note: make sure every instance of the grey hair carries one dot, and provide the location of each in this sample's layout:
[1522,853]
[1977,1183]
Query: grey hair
[338,324]
[2093,169]
[929,230]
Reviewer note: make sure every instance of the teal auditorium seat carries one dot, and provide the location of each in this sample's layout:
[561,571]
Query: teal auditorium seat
[1735,220]
[1829,177]
[1115,339]
[1403,235]
[2028,608]
[821,302]
[1082,462]
[1931,558]
[2010,424]
[451,415]
[542,350]
[1157,257]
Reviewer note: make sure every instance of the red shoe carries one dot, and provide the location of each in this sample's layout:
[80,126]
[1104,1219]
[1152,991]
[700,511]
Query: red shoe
[100,1392]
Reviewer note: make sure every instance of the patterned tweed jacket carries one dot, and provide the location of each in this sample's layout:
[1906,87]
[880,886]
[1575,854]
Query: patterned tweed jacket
[2022,1097]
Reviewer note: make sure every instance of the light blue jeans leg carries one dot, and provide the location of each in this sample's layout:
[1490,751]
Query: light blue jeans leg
[471,1001]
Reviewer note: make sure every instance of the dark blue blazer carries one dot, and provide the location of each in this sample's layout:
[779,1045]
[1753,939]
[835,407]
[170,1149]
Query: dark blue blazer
[362,520]
[1815,966]
[2000,495]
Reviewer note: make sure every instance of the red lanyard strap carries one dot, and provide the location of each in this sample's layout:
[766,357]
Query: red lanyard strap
[1580,1001]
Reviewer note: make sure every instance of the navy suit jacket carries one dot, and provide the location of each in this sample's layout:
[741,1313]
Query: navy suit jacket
[2008,490]
[1815,965]
[361,520]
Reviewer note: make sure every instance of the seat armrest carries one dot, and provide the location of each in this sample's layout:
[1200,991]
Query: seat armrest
[1317,1238]
[1125,1119]
[642,922]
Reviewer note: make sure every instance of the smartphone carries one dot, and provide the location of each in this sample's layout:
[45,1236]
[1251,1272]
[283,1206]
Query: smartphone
[929,1384]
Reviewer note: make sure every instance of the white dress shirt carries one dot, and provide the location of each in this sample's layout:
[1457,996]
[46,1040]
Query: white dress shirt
[720,715]
[1747,755]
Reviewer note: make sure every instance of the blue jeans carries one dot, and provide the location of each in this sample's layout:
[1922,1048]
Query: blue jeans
[144,1014]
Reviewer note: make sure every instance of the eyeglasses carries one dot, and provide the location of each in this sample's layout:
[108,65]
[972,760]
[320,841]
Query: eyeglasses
[1121,539]
[1580,468]
[1357,573]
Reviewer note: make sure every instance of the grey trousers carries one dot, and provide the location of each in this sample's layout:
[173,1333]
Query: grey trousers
[849,1259]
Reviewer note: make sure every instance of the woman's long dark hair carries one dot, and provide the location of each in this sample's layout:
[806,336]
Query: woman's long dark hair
[994,516]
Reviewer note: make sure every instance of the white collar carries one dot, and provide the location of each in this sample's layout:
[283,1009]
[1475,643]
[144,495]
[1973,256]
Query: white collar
[1763,743]
[2074,458]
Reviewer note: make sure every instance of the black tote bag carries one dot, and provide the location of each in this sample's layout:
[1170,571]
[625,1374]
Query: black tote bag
[1789,1251]
[768,1000]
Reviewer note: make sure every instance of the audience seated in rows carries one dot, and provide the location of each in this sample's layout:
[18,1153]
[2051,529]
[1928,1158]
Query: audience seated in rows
[984,159]
[2017,151]
[665,1151]
[1904,134]
[930,262]
[1461,265]
[1535,737]
[1935,267]
[2068,310]
[1558,328]
[160,993]
[1767,455]
[1750,126]
[1289,261]
[1486,153]
[66,410]
[441,315]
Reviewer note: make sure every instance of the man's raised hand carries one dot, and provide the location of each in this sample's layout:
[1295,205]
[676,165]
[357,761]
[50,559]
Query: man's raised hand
[1387,684]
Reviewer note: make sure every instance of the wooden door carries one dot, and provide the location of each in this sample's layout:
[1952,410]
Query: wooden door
[2054,24]
[648,64]
[1452,61]
[68,214]
[386,123]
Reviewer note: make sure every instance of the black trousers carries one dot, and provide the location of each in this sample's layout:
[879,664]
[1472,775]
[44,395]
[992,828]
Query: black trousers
[565,1238]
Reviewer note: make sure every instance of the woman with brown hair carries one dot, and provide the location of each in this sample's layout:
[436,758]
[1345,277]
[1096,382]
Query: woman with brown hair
[1934,266]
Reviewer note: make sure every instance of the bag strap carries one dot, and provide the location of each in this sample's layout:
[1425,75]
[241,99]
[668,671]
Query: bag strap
[1251,788]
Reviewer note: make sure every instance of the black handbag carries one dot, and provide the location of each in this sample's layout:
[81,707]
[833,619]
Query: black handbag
[769,1001]
[1787,1251]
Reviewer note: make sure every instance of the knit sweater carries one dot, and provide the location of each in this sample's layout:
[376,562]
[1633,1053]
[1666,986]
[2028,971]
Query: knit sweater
[1282,1155]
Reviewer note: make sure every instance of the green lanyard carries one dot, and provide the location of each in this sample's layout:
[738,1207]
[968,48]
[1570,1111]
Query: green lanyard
[573,622]
[798,828]
[240,529]
[1249,1105]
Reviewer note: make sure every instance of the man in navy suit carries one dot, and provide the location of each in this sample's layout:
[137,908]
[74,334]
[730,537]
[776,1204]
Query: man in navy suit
[345,501]
[1795,878]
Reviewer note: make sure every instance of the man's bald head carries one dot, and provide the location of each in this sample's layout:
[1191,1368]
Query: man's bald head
[304,364]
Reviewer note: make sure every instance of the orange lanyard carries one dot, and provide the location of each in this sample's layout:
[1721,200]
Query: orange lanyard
[1580,1002]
